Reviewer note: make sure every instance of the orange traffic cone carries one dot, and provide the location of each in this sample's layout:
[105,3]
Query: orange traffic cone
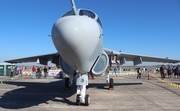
[149,77]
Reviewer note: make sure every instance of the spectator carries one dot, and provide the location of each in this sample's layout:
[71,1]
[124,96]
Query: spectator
[11,70]
[45,72]
[139,71]
[169,72]
[20,71]
[173,71]
[16,70]
[33,72]
[162,71]
[38,72]
[115,69]
[176,74]
[144,69]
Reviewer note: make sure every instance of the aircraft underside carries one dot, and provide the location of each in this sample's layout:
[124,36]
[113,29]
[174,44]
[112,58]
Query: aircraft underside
[99,66]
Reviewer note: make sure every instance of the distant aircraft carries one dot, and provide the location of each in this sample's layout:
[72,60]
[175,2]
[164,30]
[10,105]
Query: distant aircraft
[77,36]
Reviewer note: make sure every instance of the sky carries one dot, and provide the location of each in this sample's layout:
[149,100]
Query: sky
[146,27]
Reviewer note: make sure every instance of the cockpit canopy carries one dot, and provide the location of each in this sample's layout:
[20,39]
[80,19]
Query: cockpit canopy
[88,13]
[84,12]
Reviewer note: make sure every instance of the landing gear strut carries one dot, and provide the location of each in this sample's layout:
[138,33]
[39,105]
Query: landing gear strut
[109,82]
[68,82]
[81,82]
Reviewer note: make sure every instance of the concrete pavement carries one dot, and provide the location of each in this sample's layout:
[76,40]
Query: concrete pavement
[130,94]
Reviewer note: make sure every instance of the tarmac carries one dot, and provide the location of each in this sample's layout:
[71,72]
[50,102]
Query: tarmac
[129,94]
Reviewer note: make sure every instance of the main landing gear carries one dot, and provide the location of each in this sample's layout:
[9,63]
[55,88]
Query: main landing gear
[109,82]
[68,82]
[82,82]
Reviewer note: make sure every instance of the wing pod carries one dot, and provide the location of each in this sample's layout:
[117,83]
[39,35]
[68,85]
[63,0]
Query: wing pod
[65,67]
[101,64]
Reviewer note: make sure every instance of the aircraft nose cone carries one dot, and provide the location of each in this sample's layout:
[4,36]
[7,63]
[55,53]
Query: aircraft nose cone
[69,32]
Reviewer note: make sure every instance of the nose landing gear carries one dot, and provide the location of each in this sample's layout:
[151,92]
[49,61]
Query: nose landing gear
[87,99]
[82,97]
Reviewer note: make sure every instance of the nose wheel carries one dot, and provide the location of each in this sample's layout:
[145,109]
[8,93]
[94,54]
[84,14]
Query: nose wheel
[79,99]
[87,100]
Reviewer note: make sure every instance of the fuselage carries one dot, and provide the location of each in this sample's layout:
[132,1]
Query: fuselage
[78,39]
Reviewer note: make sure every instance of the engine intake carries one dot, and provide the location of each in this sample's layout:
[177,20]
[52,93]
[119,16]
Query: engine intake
[100,65]
[65,67]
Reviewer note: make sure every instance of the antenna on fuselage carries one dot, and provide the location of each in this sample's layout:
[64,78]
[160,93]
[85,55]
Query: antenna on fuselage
[74,7]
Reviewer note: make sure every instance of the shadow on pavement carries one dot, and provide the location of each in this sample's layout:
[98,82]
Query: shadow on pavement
[104,85]
[35,93]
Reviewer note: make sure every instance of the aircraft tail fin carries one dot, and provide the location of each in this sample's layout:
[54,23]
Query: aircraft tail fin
[74,7]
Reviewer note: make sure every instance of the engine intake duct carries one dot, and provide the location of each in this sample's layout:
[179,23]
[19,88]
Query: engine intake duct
[101,64]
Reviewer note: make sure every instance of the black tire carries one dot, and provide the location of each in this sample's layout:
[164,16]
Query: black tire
[78,99]
[67,83]
[111,83]
[87,100]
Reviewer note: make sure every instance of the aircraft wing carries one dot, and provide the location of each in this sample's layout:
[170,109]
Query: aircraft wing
[137,59]
[42,59]
[123,57]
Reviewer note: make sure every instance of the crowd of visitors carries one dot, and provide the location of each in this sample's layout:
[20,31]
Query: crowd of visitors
[169,72]
[36,72]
